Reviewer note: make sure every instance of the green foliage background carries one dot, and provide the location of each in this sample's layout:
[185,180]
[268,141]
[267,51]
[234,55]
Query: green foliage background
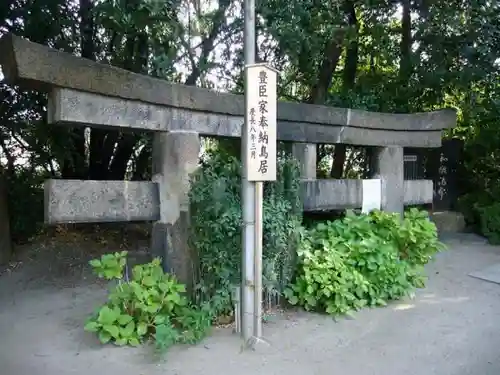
[217,221]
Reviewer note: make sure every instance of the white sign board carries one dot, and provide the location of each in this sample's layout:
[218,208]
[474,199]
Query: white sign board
[410,158]
[372,195]
[260,120]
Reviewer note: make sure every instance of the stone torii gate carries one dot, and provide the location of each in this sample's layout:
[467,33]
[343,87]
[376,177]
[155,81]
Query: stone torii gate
[86,93]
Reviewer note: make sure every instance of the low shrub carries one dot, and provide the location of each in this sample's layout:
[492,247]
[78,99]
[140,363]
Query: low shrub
[482,213]
[25,197]
[148,304]
[215,198]
[472,204]
[415,236]
[362,260]
[490,222]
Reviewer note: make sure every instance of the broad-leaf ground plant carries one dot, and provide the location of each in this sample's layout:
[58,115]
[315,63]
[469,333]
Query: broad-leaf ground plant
[363,260]
[150,304]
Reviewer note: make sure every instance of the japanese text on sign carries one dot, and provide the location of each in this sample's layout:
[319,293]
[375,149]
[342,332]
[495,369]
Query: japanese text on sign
[442,174]
[261,123]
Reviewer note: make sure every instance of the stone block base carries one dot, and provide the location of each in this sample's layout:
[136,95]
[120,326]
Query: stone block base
[169,242]
[448,221]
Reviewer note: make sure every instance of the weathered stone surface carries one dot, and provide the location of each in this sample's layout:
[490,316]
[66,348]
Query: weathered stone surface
[418,192]
[77,201]
[375,137]
[175,157]
[388,166]
[5,239]
[40,67]
[169,242]
[401,121]
[305,153]
[448,221]
[83,108]
[324,195]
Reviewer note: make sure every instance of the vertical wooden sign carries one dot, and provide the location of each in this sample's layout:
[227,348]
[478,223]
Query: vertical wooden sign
[261,104]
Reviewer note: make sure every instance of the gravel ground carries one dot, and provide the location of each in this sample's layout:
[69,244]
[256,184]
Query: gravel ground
[451,328]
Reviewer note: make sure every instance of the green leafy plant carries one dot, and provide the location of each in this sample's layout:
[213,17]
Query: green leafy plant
[362,260]
[110,266]
[215,198]
[415,236]
[149,304]
[471,205]
[25,198]
[490,222]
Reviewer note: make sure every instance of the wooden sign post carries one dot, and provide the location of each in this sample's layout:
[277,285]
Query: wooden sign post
[260,163]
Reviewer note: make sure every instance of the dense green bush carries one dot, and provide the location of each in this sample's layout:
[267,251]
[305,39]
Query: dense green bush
[216,227]
[482,212]
[362,260]
[149,304]
[415,237]
[25,197]
[490,222]
[471,206]
[480,179]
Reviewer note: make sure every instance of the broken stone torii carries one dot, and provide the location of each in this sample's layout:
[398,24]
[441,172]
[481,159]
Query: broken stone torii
[85,93]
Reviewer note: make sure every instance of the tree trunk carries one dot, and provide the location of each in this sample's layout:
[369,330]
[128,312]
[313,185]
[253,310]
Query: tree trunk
[122,156]
[405,64]
[74,166]
[8,155]
[325,74]
[349,79]
[143,163]
[352,54]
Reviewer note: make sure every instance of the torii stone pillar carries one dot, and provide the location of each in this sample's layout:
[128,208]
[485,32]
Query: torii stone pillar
[388,166]
[305,153]
[175,157]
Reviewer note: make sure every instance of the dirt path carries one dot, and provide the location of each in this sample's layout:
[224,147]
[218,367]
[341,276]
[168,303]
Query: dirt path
[451,328]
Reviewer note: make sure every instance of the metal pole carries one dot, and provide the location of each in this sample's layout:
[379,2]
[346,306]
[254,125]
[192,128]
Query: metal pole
[259,198]
[248,195]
